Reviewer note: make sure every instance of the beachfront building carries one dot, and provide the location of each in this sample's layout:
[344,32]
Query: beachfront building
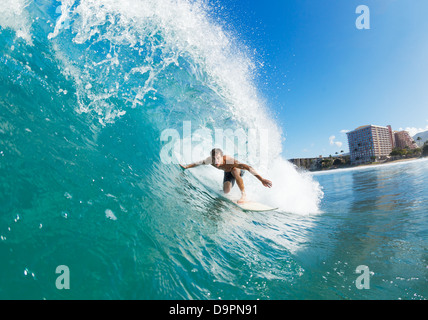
[370,143]
[404,140]
[311,164]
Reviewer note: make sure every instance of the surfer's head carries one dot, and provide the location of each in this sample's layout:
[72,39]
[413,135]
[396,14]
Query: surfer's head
[217,157]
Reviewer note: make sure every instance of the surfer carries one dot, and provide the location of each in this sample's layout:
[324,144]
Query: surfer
[233,171]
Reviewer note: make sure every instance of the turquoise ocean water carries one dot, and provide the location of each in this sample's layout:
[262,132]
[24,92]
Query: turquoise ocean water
[88,87]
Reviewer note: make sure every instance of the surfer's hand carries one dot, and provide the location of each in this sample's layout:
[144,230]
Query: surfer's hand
[267,183]
[183,167]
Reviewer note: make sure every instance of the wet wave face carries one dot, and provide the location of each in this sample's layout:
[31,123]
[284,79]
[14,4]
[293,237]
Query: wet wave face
[92,94]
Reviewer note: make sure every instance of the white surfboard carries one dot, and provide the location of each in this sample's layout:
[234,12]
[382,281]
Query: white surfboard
[254,206]
[247,205]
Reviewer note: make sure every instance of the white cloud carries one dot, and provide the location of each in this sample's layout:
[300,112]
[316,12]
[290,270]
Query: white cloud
[344,131]
[332,142]
[412,130]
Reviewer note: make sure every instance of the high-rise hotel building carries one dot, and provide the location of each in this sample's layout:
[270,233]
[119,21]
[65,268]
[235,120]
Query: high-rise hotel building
[369,143]
[404,140]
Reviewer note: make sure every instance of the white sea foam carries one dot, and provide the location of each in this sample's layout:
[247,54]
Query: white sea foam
[110,215]
[13,15]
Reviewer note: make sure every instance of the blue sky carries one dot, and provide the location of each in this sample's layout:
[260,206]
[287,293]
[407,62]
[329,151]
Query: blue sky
[321,75]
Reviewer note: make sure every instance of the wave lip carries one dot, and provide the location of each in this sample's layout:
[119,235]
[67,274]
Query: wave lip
[164,63]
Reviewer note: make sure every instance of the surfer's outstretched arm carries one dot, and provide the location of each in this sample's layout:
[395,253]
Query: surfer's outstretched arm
[195,164]
[265,182]
[190,165]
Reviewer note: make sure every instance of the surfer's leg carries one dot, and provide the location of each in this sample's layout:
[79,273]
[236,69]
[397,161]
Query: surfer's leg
[227,186]
[237,174]
[228,182]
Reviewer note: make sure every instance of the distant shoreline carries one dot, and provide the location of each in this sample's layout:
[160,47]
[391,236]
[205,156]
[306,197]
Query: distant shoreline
[368,165]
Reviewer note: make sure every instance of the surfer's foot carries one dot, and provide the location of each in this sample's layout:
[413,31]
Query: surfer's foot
[243,198]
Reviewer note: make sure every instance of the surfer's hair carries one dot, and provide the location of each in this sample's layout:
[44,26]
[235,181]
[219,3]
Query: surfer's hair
[216,151]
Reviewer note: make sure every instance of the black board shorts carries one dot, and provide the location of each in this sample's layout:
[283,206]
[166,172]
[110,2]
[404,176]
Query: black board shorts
[228,176]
